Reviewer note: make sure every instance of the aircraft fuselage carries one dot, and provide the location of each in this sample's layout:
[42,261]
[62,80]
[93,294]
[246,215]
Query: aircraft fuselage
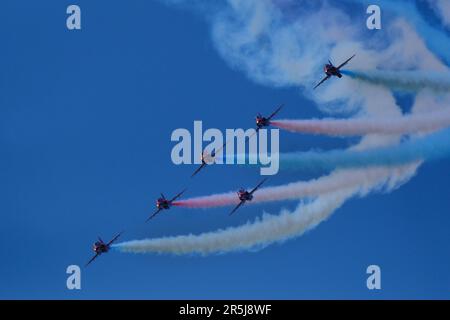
[331,70]
[262,122]
[163,204]
[245,195]
[100,247]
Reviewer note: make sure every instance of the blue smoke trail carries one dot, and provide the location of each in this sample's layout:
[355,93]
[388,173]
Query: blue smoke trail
[435,146]
[435,40]
[408,81]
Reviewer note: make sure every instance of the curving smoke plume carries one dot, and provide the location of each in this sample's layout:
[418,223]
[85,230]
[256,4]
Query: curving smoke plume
[442,9]
[436,40]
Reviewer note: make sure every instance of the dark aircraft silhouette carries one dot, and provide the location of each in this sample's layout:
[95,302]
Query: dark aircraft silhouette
[262,122]
[245,196]
[207,159]
[332,71]
[165,204]
[100,247]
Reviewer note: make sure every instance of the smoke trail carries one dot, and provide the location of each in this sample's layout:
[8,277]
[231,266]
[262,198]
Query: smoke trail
[293,191]
[435,146]
[408,81]
[357,127]
[269,229]
[435,40]
[432,147]
[442,9]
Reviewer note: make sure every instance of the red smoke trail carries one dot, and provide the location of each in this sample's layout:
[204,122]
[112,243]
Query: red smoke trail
[293,191]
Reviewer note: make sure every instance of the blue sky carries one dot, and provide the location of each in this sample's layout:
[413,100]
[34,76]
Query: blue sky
[86,118]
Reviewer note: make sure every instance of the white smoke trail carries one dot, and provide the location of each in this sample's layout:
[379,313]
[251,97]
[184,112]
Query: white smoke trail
[436,40]
[442,8]
[355,127]
[293,191]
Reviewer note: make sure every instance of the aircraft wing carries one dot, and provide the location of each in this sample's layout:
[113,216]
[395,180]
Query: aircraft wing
[153,215]
[219,150]
[115,238]
[92,259]
[275,112]
[346,62]
[257,187]
[237,207]
[177,196]
[198,169]
[323,80]
[215,152]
